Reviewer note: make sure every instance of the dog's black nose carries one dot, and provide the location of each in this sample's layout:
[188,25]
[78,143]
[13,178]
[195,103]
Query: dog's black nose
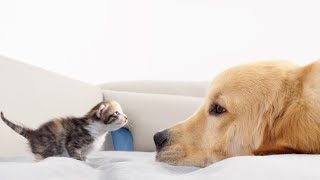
[160,139]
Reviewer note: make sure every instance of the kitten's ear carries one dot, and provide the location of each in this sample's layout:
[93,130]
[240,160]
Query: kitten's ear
[100,111]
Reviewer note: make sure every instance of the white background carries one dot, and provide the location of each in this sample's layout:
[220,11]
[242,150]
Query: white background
[109,40]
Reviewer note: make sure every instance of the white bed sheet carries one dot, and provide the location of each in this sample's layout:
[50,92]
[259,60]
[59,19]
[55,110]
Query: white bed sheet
[139,165]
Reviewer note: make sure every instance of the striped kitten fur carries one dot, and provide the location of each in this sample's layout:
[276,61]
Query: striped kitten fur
[73,136]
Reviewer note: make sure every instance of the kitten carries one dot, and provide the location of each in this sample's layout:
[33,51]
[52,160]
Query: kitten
[73,137]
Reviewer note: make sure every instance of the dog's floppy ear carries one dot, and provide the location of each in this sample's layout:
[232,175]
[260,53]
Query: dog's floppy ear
[289,131]
[310,78]
[276,149]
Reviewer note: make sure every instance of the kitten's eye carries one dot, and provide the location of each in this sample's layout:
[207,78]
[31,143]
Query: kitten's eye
[216,109]
[117,113]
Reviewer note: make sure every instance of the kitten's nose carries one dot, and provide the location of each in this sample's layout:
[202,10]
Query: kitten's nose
[160,139]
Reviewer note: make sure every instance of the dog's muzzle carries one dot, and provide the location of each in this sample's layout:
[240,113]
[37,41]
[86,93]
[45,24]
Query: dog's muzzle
[161,139]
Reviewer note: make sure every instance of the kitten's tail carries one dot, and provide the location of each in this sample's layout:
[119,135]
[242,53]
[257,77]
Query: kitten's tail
[25,132]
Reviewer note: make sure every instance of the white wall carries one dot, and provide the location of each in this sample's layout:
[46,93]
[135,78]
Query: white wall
[109,40]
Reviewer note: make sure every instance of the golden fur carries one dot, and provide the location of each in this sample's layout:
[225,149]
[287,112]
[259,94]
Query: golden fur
[271,108]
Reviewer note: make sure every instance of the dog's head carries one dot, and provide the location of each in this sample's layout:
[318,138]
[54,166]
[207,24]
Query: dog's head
[241,104]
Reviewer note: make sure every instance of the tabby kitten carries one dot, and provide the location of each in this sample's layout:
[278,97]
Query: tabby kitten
[72,136]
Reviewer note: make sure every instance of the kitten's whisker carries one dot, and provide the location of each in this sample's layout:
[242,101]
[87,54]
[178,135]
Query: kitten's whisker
[129,125]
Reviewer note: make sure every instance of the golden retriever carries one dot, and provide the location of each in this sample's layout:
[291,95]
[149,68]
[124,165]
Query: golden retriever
[254,109]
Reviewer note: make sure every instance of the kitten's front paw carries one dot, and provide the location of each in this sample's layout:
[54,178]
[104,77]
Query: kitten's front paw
[78,158]
[84,159]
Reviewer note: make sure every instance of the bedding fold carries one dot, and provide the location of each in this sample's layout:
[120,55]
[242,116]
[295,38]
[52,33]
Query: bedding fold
[141,165]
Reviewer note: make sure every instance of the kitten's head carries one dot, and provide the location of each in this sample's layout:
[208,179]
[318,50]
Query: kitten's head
[110,114]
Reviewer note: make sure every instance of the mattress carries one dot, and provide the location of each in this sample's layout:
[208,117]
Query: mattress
[111,165]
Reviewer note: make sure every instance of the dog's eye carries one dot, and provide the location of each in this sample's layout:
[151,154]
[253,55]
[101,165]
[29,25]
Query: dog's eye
[216,109]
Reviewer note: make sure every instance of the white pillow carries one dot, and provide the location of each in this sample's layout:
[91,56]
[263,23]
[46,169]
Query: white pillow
[149,113]
[182,88]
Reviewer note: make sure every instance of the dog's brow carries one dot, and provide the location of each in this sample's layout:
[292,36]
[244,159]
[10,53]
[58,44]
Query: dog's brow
[219,98]
[216,96]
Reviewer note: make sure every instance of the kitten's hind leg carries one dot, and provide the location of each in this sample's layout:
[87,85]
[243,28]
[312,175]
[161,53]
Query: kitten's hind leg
[38,157]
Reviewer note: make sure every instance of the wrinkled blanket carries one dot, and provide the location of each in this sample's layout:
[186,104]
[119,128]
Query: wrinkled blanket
[141,165]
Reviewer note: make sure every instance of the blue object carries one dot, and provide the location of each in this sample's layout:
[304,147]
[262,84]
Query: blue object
[122,140]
